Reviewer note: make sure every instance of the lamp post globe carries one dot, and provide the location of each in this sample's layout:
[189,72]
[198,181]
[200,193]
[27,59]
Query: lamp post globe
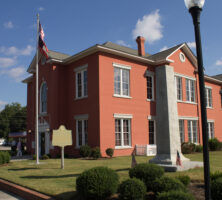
[194,3]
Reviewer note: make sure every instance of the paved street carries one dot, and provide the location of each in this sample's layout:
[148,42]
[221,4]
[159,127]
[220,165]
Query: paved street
[7,196]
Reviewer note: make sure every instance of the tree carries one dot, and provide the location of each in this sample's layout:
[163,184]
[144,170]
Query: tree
[12,119]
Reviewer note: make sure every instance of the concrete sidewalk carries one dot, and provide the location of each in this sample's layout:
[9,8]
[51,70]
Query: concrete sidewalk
[8,196]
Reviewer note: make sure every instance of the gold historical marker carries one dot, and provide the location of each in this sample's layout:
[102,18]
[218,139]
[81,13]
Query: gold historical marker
[62,137]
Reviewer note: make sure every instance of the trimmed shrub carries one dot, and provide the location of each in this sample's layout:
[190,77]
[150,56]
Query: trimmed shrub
[199,148]
[34,157]
[132,189]
[188,148]
[166,184]
[4,157]
[215,175]
[109,152]
[97,183]
[147,173]
[7,157]
[214,144]
[85,151]
[44,157]
[175,195]
[184,179]
[216,189]
[1,161]
[96,153]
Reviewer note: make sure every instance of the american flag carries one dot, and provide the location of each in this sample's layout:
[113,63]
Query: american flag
[178,160]
[42,46]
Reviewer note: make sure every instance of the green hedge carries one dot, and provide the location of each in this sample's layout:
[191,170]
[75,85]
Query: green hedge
[85,151]
[4,157]
[214,144]
[216,189]
[184,179]
[97,183]
[175,195]
[147,173]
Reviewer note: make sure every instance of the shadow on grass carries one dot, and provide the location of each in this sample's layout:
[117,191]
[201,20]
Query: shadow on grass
[124,169]
[67,196]
[48,177]
[22,169]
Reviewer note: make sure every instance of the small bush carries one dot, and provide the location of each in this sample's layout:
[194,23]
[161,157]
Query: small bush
[44,157]
[216,189]
[175,195]
[215,175]
[97,183]
[199,148]
[33,157]
[188,148]
[184,179]
[7,157]
[214,144]
[132,189]
[109,152]
[4,157]
[147,173]
[165,184]
[96,153]
[85,151]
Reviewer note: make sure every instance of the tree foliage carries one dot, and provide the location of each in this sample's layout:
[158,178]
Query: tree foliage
[12,119]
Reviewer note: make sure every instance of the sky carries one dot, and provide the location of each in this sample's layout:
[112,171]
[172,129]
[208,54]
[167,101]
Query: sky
[71,26]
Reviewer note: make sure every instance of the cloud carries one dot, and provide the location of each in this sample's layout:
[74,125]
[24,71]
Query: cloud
[192,45]
[2,105]
[7,62]
[14,51]
[218,63]
[41,8]
[16,73]
[164,48]
[122,43]
[8,25]
[149,27]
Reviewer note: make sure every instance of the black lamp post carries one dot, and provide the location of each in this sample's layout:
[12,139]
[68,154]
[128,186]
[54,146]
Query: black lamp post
[195,8]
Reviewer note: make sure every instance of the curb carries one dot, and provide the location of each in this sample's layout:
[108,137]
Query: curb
[23,192]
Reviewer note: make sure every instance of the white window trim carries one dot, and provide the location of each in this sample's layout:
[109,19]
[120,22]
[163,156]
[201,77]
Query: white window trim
[207,97]
[122,117]
[80,118]
[150,74]
[192,131]
[40,107]
[209,133]
[81,70]
[188,118]
[189,101]
[175,78]
[185,76]
[183,129]
[122,67]
[154,123]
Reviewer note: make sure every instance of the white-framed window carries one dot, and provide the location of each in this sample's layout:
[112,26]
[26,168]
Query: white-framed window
[190,90]
[81,81]
[179,88]
[122,132]
[152,132]
[150,87]
[208,96]
[192,131]
[81,130]
[121,80]
[43,98]
[181,130]
[210,128]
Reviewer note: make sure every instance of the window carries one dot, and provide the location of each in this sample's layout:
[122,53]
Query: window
[208,96]
[152,136]
[81,81]
[43,98]
[181,130]
[190,90]
[81,132]
[179,88]
[192,131]
[150,93]
[210,127]
[121,80]
[122,132]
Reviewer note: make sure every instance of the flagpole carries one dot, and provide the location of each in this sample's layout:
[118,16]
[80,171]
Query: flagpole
[37,95]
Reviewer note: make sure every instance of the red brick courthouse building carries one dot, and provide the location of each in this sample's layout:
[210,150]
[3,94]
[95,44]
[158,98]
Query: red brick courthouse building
[111,96]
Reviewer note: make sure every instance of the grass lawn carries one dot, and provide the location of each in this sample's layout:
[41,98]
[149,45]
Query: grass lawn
[49,178]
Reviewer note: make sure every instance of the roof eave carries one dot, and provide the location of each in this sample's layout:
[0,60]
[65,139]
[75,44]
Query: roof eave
[212,79]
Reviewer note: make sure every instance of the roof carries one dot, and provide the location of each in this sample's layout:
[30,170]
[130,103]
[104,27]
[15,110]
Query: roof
[218,77]
[123,49]
[57,55]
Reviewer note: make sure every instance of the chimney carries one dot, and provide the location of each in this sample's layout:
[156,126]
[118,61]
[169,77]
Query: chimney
[140,42]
